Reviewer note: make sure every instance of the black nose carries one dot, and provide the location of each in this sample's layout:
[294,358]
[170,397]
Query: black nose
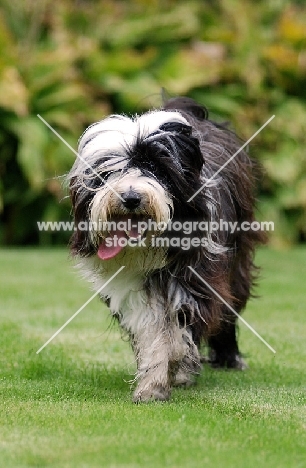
[131,199]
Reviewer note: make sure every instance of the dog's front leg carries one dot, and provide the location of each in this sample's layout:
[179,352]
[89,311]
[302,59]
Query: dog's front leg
[159,349]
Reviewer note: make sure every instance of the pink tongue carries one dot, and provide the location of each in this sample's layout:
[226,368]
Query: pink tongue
[109,248]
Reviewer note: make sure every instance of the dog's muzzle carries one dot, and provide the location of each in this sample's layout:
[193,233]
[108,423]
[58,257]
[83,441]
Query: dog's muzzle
[139,208]
[126,229]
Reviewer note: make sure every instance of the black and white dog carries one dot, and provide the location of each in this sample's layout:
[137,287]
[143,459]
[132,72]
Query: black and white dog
[135,180]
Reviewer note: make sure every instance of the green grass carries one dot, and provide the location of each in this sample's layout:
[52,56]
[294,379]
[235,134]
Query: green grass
[70,406]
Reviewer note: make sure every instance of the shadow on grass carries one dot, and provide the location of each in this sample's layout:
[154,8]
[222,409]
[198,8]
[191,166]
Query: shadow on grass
[57,375]
[76,379]
[54,372]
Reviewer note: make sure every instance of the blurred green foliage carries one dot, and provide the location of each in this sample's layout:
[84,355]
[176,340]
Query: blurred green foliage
[75,61]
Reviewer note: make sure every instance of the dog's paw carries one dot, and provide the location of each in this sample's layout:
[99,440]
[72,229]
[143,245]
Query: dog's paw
[156,393]
[226,361]
[184,379]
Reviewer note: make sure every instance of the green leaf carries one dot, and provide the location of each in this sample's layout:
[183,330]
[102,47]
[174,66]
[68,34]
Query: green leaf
[33,139]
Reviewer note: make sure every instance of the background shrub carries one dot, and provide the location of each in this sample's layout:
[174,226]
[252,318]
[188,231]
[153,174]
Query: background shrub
[73,62]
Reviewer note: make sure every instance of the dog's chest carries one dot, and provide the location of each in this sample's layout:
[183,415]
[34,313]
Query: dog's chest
[126,290]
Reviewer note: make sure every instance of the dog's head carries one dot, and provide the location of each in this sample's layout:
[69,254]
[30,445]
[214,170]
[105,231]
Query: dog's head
[130,171]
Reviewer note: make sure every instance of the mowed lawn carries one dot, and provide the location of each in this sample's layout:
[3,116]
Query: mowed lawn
[70,405]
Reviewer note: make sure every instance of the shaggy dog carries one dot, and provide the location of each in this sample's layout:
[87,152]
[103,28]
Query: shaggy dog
[161,198]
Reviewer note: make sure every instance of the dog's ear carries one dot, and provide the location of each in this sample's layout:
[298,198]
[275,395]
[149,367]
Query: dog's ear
[187,105]
[176,127]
